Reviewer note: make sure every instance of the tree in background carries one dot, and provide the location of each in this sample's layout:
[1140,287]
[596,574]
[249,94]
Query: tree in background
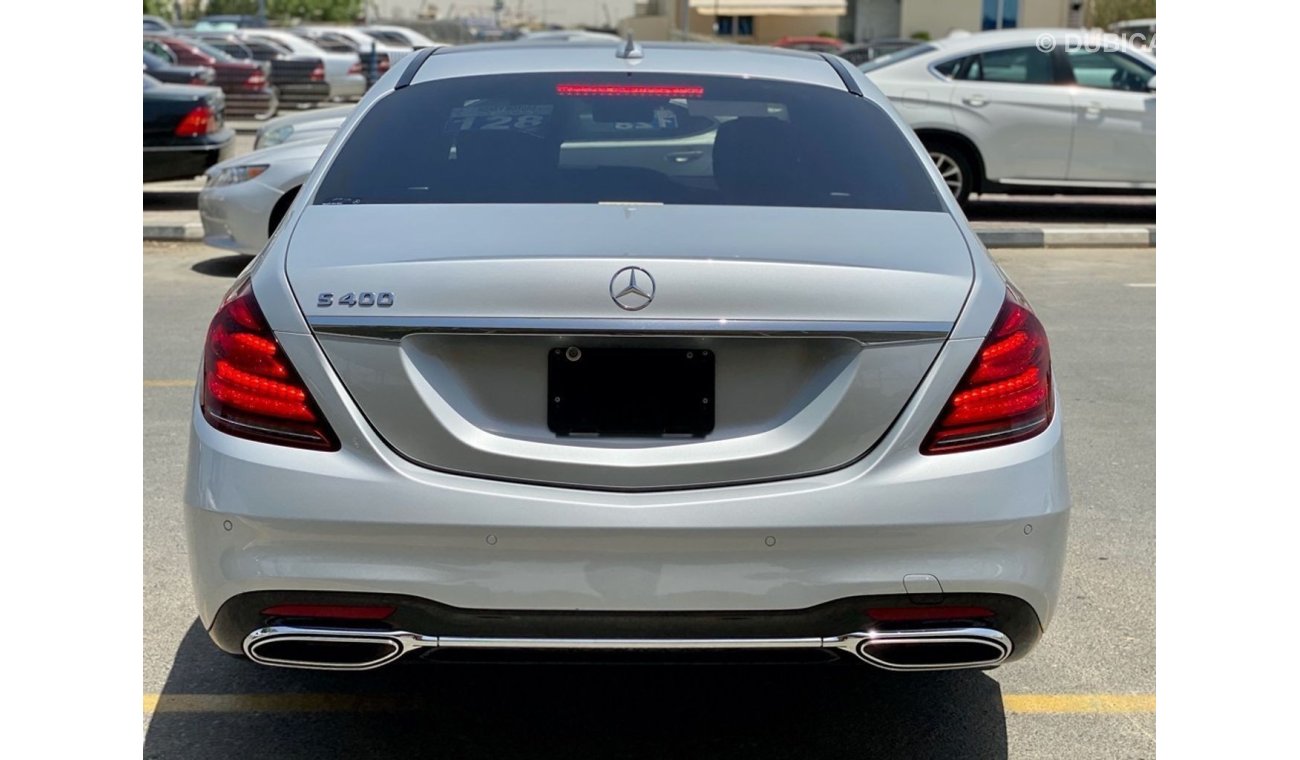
[1103,13]
[303,10]
[159,8]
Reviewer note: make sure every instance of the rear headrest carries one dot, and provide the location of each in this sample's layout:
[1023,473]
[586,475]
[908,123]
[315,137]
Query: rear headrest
[755,158]
[504,165]
[506,149]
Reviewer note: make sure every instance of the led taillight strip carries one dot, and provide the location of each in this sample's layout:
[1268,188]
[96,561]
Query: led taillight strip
[629,90]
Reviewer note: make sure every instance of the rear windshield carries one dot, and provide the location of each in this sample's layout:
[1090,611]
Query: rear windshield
[584,138]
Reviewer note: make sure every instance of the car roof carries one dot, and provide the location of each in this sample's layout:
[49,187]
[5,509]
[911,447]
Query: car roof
[1001,37]
[522,56]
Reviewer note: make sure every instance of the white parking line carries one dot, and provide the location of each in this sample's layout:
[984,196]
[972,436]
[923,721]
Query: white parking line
[1140,285]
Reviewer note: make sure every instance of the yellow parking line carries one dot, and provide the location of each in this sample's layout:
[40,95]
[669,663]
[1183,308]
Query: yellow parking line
[169,383]
[1078,703]
[1018,704]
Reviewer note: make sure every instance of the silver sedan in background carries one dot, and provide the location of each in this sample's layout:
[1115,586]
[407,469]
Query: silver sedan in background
[306,125]
[246,197]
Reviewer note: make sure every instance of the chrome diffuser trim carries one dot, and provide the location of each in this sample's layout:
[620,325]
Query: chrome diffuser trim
[396,328]
[404,642]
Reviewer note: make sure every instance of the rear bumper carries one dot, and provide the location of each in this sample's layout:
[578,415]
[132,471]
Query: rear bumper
[261,518]
[294,93]
[458,629]
[185,161]
[349,86]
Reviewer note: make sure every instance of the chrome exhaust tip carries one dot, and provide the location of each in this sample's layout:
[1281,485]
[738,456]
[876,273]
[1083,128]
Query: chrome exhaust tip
[323,649]
[934,649]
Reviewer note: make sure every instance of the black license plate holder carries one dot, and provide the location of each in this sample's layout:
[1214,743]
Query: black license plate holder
[630,392]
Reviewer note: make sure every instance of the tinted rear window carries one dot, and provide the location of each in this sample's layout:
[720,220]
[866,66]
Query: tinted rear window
[584,138]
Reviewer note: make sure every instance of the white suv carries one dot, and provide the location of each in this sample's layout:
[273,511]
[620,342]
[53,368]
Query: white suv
[1029,110]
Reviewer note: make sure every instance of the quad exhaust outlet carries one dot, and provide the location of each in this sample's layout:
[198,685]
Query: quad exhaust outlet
[359,649]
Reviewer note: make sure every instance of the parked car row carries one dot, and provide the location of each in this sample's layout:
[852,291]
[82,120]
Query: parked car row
[245,83]
[260,68]
[296,79]
[255,71]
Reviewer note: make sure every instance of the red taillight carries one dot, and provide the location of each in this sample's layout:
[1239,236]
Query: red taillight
[256,80]
[318,74]
[355,68]
[335,611]
[383,63]
[629,90]
[198,121]
[249,387]
[893,614]
[1006,395]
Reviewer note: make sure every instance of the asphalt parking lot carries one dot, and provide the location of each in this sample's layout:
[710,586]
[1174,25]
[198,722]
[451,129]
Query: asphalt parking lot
[1086,692]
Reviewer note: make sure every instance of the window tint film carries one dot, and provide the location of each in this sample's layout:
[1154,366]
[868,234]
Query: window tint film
[949,68]
[1027,65]
[592,138]
[1109,70]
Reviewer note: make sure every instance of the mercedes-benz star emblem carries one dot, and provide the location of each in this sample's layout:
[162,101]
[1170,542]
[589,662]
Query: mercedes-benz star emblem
[632,288]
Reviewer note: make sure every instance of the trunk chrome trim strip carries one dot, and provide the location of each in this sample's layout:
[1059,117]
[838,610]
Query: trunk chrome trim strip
[396,328]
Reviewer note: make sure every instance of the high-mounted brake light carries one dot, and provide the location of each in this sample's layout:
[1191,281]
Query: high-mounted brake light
[197,122]
[1006,394]
[629,90]
[249,387]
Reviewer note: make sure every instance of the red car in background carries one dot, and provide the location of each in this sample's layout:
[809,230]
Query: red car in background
[815,44]
[246,84]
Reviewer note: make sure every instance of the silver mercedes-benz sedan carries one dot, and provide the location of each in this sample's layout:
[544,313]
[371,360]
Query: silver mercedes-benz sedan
[616,347]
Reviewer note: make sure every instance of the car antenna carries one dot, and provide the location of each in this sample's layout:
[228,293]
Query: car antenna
[630,49]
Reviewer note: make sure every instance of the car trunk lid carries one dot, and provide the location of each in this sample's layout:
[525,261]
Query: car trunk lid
[452,330]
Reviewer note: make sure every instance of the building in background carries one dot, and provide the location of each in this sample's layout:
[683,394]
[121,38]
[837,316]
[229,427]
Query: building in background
[765,21]
[747,21]
[585,13]
[937,18]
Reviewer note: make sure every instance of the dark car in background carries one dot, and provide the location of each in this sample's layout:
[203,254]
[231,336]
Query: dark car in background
[245,83]
[873,49]
[184,130]
[165,71]
[297,79]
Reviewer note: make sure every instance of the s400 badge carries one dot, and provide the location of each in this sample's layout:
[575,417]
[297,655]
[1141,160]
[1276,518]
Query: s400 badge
[364,300]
